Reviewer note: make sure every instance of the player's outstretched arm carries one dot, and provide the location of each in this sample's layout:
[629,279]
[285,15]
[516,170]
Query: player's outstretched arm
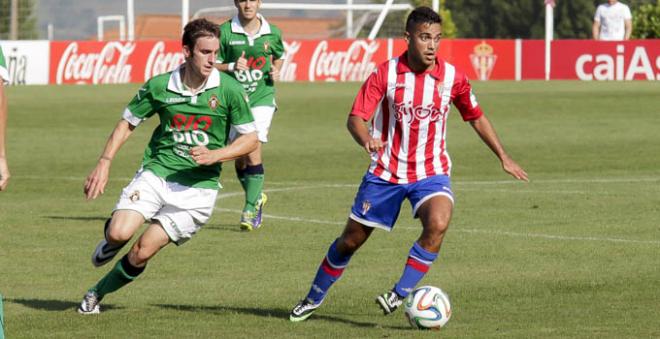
[98,178]
[244,144]
[360,132]
[487,133]
[4,168]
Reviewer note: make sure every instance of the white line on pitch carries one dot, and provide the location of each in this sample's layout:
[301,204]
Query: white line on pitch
[285,189]
[461,230]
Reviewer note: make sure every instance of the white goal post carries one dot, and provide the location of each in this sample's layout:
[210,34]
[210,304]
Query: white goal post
[349,7]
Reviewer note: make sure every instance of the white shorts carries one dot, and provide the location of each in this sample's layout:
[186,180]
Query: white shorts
[263,116]
[181,210]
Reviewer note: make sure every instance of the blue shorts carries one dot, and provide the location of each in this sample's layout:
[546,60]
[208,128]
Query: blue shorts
[378,202]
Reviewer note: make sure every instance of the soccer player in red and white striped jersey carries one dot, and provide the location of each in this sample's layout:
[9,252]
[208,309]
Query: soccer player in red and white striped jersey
[406,100]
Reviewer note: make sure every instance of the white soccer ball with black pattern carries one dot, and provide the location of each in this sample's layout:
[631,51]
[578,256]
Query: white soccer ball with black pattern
[427,307]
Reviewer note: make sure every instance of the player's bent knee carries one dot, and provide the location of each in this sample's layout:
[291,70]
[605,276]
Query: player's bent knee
[439,225]
[119,234]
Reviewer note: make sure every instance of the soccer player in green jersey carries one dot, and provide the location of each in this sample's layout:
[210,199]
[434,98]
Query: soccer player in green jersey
[4,79]
[176,187]
[251,50]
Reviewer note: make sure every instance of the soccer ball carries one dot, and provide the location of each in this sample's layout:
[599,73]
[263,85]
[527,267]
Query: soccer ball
[427,307]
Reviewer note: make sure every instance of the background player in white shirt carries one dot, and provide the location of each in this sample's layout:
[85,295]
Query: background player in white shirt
[612,22]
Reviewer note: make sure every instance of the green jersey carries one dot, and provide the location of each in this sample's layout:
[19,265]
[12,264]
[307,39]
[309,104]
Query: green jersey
[260,50]
[4,74]
[188,120]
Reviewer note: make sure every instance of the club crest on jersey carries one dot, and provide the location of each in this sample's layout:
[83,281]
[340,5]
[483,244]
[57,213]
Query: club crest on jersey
[266,45]
[213,102]
[135,196]
[366,206]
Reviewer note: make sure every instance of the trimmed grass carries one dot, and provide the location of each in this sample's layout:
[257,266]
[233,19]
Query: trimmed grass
[575,253]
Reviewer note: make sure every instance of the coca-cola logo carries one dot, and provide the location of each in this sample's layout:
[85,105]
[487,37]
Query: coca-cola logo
[407,113]
[354,64]
[289,67]
[110,66]
[160,61]
[616,67]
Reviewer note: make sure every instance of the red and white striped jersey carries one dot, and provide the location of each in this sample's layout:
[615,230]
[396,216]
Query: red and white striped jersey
[409,110]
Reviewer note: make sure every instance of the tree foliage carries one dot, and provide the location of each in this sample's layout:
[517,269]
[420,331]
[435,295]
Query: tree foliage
[646,22]
[394,23]
[509,19]
[27,21]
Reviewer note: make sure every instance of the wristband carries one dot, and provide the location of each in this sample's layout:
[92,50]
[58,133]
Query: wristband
[231,66]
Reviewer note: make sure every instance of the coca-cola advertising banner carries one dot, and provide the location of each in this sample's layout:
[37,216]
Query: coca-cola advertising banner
[336,60]
[90,62]
[114,62]
[606,60]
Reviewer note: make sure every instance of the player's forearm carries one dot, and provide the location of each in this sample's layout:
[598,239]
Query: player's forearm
[224,67]
[117,139]
[358,130]
[595,30]
[486,132]
[628,29]
[243,145]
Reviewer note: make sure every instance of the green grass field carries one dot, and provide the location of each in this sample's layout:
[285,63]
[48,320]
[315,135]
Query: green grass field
[575,253]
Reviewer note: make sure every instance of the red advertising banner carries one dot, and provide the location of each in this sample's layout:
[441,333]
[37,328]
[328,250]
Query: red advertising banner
[90,62]
[481,59]
[113,62]
[605,60]
[354,60]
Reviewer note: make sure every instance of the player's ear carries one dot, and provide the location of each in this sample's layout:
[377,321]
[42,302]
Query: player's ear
[187,53]
[406,36]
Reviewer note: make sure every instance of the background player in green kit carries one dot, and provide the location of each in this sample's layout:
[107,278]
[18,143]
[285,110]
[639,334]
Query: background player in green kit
[176,187]
[4,79]
[251,50]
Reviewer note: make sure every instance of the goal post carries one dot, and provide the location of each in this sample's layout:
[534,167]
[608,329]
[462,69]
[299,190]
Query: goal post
[351,29]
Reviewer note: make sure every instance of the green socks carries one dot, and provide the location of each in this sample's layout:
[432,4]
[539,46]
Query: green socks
[252,180]
[120,275]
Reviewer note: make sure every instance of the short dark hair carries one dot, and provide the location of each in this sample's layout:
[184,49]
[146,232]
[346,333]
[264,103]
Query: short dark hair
[422,15]
[196,29]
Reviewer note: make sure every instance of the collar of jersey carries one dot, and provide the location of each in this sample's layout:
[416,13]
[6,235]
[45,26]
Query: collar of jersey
[403,67]
[236,26]
[176,84]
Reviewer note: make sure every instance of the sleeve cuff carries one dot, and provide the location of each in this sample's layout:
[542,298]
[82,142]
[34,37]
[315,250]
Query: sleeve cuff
[132,119]
[245,128]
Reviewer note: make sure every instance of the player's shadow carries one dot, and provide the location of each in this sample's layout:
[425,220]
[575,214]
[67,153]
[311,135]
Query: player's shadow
[59,217]
[271,313]
[51,305]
